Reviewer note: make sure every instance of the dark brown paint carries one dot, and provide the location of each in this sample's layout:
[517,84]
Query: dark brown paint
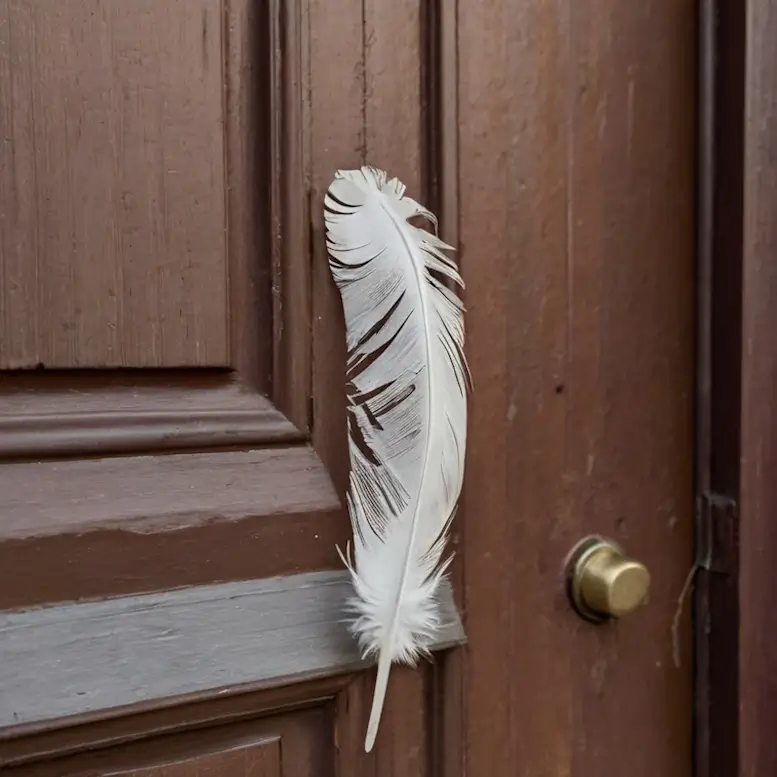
[576,198]
[114,526]
[246,749]
[132,523]
[555,142]
[143,722]
[735,619]
[758,496]
[113,191]
[76,413]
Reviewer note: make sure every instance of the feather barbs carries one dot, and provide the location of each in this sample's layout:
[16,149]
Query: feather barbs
[407,381]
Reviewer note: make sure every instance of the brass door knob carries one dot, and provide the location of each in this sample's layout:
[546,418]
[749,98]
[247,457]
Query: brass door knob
[603,582]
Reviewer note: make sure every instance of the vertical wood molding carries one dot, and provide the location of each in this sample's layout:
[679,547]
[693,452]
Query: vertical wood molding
[576,191]
[90,660]
[718,396]
[758,490]
[289,225]
[85,412]
[122,525]
[440,73]
[445,693]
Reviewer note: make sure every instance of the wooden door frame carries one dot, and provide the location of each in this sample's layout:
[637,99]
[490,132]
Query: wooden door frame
[736,622]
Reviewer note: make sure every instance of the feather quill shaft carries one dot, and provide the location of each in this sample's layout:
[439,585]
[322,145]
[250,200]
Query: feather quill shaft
[407,382]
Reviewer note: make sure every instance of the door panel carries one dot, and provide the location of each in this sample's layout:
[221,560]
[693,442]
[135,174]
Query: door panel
[262,759]
[183,207]
[172,455]
[278,746]
[117,180]
[193,472]
[576,169]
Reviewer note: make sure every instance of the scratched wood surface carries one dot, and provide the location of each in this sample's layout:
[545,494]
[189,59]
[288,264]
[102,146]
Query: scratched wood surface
[112,196]
[576,139]
[555,140]
[93,658]
[757,691]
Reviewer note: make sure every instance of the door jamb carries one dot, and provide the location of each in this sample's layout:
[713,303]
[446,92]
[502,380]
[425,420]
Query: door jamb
[736,421]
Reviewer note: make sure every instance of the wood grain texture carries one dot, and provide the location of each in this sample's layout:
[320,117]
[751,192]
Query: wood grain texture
[124,525]
[288,212]
[403,738]
[150,724]
[705,305]
[66,413]
[577,247]
[265,255]
[298,743]
[247,47]
[262,759]
[573,201]
[367,65]
[336,140]
[336,109]
[444,692]
[113,200]
[160,493]
[393,139]
[439,112]
[392,90]
[717,597]
[758,506]
[632,358]
[96,658]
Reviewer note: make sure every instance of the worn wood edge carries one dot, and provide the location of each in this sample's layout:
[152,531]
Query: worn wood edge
[440,69]
[176,491]
[142,722]
[705,224]
[78,434]
[196,753]
[246,747]
[192,717]
[122,526]
[445,692]
[45,415]
[290,228]
[244,51]
[756,707]
[719,389]
[93,565]
[67,665]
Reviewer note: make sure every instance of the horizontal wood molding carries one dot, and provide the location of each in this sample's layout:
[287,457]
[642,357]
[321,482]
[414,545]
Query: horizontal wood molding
[102,433]
[115,526]
[54,497]
[79,414]
[193,756]
[268,229]
[757,617]
[95,660]
[295,714]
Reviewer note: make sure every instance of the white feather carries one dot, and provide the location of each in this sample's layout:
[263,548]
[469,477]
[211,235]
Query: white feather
[407,381]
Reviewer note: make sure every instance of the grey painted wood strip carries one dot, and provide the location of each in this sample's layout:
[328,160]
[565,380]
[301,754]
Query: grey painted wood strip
[82,658]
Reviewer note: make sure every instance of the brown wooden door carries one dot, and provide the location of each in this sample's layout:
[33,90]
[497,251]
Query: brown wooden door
[172,419]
